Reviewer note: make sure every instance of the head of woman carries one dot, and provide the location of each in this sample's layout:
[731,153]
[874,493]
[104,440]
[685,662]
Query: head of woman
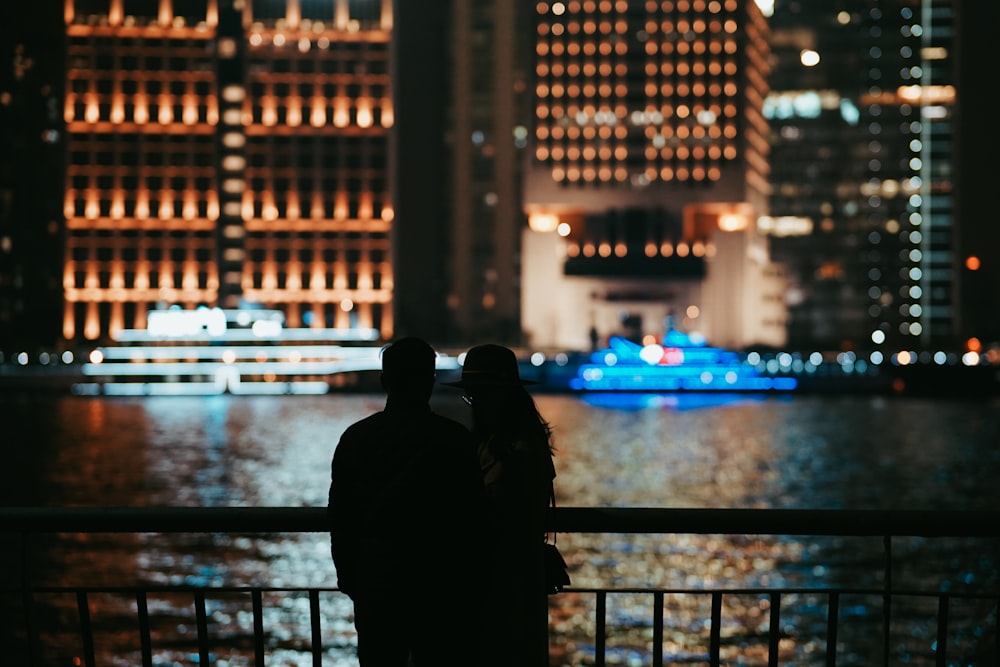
[493,388]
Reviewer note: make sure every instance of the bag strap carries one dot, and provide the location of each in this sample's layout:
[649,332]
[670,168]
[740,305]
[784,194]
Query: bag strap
[552,503]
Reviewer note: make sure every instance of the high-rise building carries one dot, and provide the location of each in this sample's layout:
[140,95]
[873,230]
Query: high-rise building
[486,133]
[229,153]
[649,171]
[31,167]
[375,163]
[864,153]
[978,234]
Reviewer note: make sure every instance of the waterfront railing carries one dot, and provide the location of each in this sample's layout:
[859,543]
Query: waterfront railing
[937,616]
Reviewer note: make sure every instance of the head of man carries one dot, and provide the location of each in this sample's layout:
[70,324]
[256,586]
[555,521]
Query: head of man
[408,370]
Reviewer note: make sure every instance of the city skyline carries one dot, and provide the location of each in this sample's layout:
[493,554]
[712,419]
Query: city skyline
[975,183]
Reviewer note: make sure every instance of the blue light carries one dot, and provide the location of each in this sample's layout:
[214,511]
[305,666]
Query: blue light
[685,364]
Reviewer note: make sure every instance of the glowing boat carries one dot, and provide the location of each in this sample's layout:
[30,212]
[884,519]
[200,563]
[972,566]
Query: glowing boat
[213,351]
[681,363]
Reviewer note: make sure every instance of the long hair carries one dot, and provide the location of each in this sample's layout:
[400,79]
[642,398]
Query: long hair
[522,417]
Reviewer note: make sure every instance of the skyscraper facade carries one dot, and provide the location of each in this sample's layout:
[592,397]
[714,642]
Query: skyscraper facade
[648,173]
[227,153]
[864,152]
[377,164]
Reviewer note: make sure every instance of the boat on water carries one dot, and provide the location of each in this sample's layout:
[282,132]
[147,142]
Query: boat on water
[680,362]
[212,351]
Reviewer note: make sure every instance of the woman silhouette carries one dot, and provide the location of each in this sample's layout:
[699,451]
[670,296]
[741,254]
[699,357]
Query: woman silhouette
[515,457]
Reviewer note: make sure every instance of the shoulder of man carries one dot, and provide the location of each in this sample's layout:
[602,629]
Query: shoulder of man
[359,431]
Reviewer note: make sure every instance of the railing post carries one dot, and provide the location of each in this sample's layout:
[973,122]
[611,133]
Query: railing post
[658,629]
[774,631]
[317,636]
[715,643]
[599,629]
[258,627]
[27,599]
[145,642]
[942,631]
[86,631]
[887,600]
[832,625]
[202,622]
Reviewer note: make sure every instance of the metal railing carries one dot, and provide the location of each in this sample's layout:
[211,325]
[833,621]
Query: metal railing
[23,523]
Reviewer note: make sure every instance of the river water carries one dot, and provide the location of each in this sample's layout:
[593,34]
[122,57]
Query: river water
[686,451]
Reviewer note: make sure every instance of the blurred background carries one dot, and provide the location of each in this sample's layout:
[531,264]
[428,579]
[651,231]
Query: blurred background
[798,175]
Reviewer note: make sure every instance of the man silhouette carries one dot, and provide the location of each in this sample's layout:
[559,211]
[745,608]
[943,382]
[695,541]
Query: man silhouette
[405,506]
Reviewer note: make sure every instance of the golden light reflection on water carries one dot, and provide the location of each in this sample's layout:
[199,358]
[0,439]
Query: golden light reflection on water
[802,452]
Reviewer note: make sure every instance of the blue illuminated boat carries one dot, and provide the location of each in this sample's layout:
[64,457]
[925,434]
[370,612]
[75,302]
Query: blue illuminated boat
[680,363]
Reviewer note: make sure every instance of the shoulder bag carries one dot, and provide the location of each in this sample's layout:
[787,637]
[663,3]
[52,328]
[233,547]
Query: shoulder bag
[556,576]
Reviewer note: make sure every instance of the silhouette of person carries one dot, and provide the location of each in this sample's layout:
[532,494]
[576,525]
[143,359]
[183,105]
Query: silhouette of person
[405,500]
[515,457]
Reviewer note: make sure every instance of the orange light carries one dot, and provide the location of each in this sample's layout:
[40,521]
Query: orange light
[972,263]
[973,345]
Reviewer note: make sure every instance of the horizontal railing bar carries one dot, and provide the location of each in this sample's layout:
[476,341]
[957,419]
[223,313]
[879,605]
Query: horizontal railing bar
[763,590]
[932,523]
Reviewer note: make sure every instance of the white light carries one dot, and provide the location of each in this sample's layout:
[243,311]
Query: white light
[96,357]
[610,359]
[651,354]
[234,93]
[266,329]
[537,359]
[970,358]
[809,58]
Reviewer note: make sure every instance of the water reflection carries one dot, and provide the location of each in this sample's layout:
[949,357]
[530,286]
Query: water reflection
[612,450]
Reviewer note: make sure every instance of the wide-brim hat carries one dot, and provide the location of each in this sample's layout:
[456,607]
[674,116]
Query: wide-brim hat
[490,366]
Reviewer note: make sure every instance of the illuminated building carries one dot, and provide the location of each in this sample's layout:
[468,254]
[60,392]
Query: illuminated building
[227,153]
[650,169]
[864,152]
[413,223]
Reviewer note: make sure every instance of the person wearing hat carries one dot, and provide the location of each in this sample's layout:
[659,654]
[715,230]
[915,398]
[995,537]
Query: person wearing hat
[404,481]
[515,458]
